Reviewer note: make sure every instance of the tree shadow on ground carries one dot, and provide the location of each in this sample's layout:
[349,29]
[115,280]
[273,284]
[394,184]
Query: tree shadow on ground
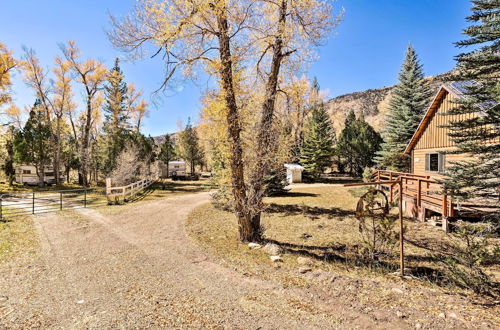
[295,194]
[314,211]
[321,253]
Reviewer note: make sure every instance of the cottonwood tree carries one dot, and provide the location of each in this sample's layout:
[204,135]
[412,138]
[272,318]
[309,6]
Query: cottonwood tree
[213,35]
[137,108]
[7,65]
[91,74]
[62,103]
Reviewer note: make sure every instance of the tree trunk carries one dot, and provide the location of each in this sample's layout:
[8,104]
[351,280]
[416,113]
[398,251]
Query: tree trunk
[84,166]
[246,223]
[67,173]
[265,140]
[249,228]
[57,155]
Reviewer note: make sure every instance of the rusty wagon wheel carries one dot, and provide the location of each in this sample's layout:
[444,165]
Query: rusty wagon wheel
[372,203]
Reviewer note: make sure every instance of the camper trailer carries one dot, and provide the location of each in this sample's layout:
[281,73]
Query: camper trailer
[175,169]
[26,174]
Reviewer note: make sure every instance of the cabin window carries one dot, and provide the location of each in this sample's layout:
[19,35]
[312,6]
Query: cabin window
[434,162]
[26,171]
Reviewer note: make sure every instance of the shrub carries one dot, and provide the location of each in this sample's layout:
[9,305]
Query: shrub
[376,229]
[472,248]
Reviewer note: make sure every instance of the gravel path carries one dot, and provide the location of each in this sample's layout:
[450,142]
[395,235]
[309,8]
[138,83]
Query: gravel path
[137,269]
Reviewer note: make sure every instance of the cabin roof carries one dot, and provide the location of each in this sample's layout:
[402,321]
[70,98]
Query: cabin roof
[459,90]
[456,89]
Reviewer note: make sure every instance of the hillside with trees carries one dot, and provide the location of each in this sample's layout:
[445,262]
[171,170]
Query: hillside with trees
[374,103]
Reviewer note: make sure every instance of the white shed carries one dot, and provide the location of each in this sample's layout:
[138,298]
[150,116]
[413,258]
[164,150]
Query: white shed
[293,173]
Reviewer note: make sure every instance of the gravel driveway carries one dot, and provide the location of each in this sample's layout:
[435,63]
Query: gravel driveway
[137,269]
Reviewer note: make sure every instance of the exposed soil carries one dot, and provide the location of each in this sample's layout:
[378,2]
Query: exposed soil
[137,269]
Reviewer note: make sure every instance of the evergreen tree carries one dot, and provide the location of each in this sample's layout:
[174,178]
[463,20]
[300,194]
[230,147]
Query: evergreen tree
[8,165]
[319,140]
[167,152]
[115,113]
[408,103]
[32,144]
[189,148]
[477,75]
[358,143]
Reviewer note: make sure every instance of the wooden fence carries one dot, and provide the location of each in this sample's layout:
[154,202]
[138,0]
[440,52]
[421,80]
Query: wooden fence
[113,194]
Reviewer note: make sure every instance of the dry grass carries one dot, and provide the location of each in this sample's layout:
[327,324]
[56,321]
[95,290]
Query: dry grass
[162,189]
[17,238]
[319,223]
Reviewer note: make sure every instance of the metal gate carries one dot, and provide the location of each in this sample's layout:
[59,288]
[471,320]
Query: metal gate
[18,204]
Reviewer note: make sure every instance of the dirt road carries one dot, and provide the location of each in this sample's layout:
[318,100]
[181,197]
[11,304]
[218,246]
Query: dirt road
[137,269]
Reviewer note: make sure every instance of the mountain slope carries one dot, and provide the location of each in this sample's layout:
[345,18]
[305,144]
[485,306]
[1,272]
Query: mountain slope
[373,103]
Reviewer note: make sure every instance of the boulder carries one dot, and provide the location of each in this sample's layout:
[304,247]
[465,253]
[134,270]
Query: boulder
[304,261]
[254,246]
[273,249]
[276,259]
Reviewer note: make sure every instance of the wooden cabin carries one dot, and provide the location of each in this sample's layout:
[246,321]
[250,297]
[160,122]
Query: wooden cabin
[429,145]
[429,149]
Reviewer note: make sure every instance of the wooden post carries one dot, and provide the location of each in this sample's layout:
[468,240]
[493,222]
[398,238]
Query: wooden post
[60,200]
[445,206]
[108,189]
[1,210]
[401,235]
[419,193]
[33,211]
[85,198]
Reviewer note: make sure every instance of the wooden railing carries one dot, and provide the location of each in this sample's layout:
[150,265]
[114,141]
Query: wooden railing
[127,191]
[421,187]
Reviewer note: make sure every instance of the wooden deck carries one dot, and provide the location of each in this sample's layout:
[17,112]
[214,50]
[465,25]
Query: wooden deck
[424,190]
[423,195]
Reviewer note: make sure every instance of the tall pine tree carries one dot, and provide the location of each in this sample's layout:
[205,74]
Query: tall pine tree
[408,102]
[319,140]
[115,125]
[189,147]
[478,75]
[167,152]
[32,144]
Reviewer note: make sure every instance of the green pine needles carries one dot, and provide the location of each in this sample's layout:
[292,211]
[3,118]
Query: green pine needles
[319,140]
[478,77]
[409,100]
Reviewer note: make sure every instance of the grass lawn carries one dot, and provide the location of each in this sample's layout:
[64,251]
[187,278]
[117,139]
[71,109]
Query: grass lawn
[319,224]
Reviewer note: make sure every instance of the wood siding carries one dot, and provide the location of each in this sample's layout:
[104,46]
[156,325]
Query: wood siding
[435,139]
[418,160]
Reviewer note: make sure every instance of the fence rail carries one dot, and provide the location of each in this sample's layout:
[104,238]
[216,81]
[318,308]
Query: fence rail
[36,202]
[128,191]
[421,187]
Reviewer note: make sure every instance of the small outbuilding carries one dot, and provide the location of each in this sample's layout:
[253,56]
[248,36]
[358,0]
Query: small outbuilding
[294,173]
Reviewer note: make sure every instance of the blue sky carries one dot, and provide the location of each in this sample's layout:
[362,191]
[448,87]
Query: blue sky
[365,51]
